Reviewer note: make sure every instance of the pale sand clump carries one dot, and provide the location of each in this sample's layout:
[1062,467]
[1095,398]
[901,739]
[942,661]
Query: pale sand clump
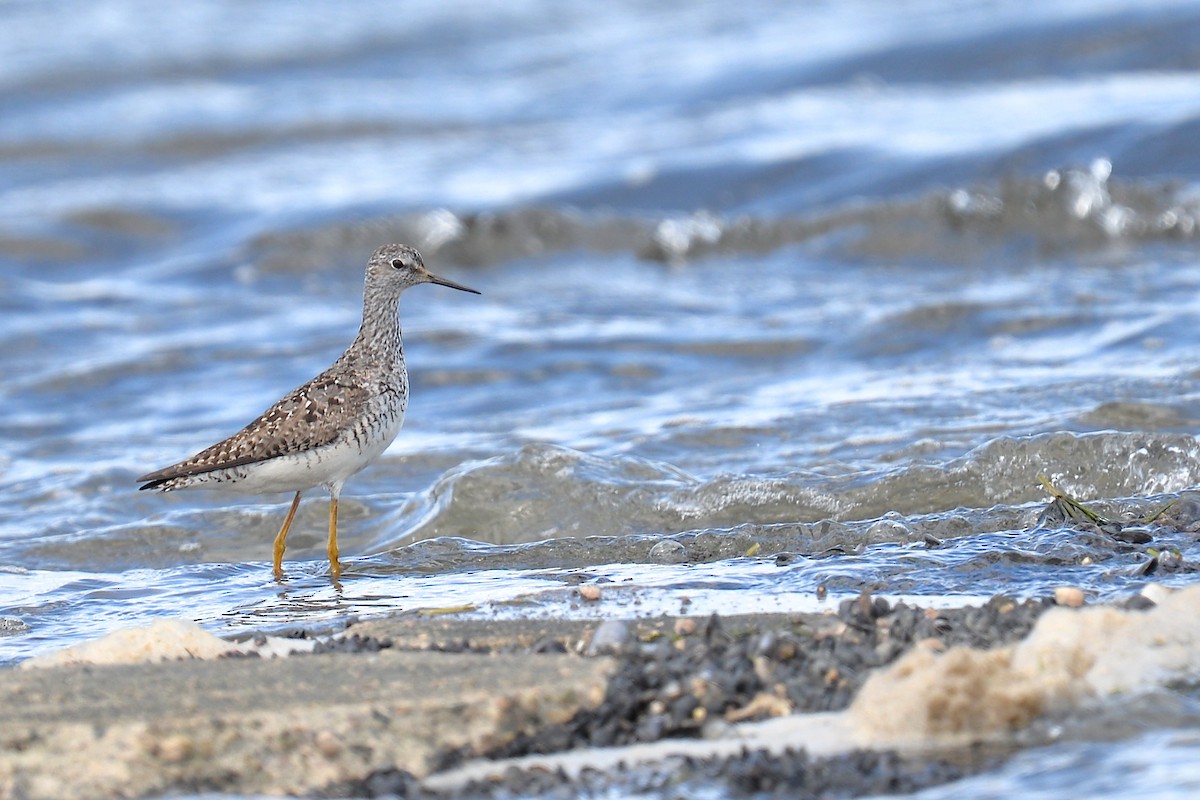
[1070,657]
[161,640]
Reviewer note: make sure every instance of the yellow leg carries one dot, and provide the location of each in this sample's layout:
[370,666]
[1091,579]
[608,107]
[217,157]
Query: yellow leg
[335,566]
[281,538]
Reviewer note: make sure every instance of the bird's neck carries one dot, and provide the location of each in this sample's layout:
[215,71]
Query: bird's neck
[379,335]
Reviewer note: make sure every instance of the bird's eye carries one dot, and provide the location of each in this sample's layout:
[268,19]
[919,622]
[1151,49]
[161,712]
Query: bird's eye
[397,263]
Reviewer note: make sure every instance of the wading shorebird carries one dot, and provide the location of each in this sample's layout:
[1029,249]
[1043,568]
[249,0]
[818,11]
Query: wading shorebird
[331,427]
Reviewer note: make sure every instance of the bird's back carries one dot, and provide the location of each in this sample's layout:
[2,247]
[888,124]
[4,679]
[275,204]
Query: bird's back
[341,403]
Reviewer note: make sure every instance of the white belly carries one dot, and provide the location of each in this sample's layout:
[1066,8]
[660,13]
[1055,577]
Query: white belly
[327,466]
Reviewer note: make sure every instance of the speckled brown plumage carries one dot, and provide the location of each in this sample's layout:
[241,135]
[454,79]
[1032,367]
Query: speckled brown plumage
[314,415]
[334,425]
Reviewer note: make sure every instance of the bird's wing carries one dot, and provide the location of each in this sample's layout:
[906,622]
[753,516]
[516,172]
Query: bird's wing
[311,416]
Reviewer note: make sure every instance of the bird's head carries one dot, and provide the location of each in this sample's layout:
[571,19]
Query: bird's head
[398,266]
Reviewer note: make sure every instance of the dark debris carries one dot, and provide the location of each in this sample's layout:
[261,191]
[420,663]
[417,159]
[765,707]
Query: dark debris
[383,783]
[674,686]
[351,644]
[752,772]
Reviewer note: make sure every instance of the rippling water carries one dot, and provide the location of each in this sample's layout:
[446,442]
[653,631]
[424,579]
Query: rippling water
[1151,766]
[815,291]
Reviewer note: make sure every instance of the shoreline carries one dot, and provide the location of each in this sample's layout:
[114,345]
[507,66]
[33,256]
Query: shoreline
[442,705]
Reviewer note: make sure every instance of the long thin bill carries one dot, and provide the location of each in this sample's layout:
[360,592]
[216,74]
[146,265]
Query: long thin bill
[446,282]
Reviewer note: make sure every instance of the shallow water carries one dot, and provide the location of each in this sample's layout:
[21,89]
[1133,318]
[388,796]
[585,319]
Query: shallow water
[816,291]
[1153,766]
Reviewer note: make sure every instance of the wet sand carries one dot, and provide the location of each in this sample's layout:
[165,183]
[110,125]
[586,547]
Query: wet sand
[446,705]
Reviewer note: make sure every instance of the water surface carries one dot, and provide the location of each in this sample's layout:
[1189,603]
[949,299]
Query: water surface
[812,293]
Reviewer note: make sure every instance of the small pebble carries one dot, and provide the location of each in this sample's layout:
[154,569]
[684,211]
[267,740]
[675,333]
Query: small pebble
[668,551]
[328,744]
[1128,535]
[1139,602]
[174,749]
[1155,592]
[1069,596]
[717,728]
[610,637]
[932,644]
[590,592]
[685,626]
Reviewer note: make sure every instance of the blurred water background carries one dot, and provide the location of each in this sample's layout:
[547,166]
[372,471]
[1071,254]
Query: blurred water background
[777,297]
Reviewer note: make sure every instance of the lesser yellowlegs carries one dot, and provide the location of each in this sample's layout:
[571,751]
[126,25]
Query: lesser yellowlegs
[331,427]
